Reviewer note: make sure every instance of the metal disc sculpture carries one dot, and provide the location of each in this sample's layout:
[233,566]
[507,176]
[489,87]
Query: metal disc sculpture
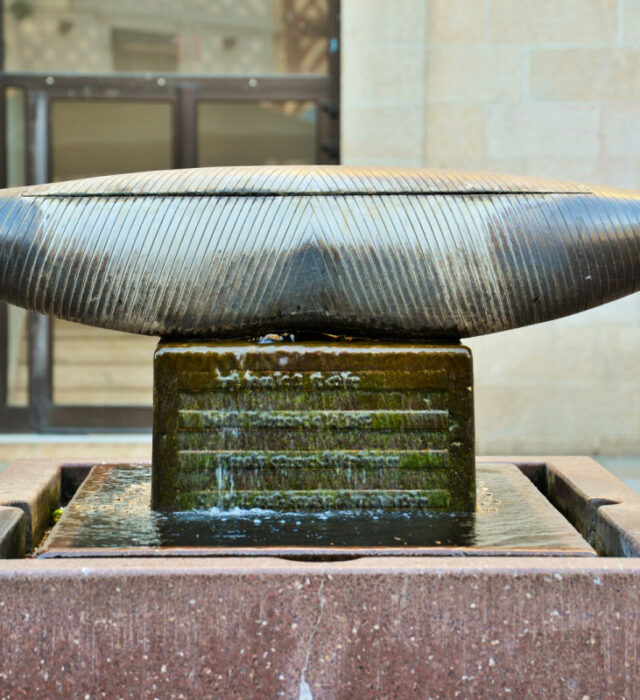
[375,252]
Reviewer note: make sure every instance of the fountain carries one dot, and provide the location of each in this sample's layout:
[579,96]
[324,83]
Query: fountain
[314,479]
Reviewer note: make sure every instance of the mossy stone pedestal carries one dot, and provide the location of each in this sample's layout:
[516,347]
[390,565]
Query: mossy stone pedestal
[313,426]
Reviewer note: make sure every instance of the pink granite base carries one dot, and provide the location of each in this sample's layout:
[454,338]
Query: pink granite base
[368,628]
[267,628]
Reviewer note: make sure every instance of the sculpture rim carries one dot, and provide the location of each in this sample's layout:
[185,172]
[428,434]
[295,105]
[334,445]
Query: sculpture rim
[291,180]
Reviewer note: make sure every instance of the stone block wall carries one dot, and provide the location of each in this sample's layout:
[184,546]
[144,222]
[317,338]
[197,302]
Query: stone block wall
[542,87]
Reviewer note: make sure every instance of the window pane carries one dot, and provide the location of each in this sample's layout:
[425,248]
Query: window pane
[91,365]
[213,37]
[256,133]
[16,144]
[17,348]
[93,137]
[17,357]
[100,367]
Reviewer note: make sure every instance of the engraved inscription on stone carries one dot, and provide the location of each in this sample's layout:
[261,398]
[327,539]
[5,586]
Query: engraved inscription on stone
[320,420]
[236,381]
[363,429]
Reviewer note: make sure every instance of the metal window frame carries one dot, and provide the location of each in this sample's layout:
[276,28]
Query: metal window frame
[183,92]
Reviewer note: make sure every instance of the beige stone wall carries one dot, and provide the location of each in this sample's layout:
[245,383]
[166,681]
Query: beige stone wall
[540,87]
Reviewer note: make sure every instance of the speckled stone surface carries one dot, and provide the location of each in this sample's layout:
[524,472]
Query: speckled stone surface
[600,506]
[603,507]
[367,629]
[13,533]
[33,485]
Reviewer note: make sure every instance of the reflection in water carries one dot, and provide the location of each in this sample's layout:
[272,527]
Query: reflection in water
[112,510]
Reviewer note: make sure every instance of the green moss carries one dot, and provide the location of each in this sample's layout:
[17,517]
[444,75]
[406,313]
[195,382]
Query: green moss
[313,418]
[308,479]
[318,500]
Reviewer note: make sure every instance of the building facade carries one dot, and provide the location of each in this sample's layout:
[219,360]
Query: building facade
[538,87]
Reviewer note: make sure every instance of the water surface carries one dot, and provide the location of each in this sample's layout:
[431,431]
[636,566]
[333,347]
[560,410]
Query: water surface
[112,510]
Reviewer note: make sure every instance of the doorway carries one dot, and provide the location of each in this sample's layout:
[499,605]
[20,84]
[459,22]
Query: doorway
[55,126]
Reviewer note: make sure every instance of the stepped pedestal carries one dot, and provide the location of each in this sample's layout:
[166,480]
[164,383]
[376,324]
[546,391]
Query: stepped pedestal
[313,426]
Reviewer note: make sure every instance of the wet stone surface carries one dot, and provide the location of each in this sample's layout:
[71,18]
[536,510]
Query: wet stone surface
[313,426]
[111,510]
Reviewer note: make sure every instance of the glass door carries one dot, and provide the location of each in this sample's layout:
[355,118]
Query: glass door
[95,367]
[90,89]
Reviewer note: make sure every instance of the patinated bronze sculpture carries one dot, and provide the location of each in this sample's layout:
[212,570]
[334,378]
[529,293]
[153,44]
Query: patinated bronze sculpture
[392,254]
[227,252]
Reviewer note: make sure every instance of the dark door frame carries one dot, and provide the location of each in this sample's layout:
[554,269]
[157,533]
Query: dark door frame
[184,93]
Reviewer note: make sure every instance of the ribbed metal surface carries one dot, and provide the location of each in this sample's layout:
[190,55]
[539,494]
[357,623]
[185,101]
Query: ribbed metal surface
[375,252]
